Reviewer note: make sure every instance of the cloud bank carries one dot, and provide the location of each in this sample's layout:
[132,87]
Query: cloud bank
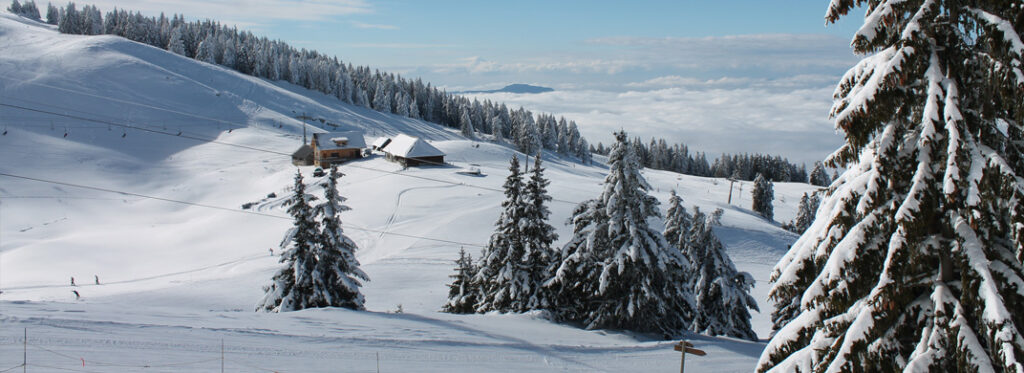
[787,116]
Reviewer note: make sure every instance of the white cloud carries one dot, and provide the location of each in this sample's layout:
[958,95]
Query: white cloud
[612,56]
[363,25]
[758,117]
[478,65]
[772,84]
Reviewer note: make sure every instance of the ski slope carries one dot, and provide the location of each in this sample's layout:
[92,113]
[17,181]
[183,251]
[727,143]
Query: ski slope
[131,164]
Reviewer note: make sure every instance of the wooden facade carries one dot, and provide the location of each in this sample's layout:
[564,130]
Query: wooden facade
[336,147]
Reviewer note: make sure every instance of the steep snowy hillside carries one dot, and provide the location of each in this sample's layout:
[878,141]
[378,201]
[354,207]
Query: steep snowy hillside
[127,164]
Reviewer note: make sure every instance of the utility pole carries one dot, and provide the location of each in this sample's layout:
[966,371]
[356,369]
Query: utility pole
[222,355]
[24,352]
[731,180]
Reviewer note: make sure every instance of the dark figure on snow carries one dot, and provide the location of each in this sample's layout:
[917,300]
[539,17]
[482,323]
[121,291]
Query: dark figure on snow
[97,279]
[73,281]
[77,296]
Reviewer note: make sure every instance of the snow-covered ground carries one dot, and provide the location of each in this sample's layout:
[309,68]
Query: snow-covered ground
[178,279]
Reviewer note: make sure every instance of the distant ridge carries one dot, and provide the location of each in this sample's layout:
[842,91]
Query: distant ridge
[516,88]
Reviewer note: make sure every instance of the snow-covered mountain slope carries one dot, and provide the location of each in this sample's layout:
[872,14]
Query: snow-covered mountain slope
[177,279]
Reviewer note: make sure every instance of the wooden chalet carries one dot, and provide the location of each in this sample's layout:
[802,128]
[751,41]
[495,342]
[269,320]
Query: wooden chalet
[412,151]
[303,156]
[336,147]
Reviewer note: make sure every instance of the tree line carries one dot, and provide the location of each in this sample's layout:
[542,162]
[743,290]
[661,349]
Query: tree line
[659,155]
[211,42]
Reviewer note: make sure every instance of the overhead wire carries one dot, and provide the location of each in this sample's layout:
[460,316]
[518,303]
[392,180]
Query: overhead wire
[256,213]
[215,141]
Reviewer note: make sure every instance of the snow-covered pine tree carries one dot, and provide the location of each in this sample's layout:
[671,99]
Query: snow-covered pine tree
[177,43]
[538,235]
[616,271]
[336,277]
[504,276]
[583,152]
[462,292]
[914,262]
[677,222]
[762,196]
[805,214]
[818,176]
[382,97]
[292,287]
[722,292]
[466,124]
[52,14]
[498,128]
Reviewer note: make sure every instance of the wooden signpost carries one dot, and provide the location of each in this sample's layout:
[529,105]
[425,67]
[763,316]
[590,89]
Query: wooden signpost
[686,348]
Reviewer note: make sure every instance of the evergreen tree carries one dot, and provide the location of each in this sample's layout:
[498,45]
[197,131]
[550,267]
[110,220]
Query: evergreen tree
[177,42]
[462,292]
[207,51]
[818,176]
[504,274]
[293,284]
[538,235]
[916,258]
[805,214]
[466,125]
[498,128]
[722,292]
[616,271]
[52,14]
[336,274]
[762,197]
[677,222]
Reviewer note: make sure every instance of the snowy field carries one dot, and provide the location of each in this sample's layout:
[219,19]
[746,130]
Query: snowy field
[89,119]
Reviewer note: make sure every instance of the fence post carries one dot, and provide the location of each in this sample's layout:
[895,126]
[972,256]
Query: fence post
[222,355]
[24,352]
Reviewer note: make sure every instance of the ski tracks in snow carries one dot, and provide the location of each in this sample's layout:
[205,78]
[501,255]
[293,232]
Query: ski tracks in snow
[398,204]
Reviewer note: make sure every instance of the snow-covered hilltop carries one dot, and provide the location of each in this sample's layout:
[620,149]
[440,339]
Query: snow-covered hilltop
[125,167]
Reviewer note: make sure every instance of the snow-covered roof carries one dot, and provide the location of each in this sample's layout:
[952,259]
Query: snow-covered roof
[330,140]
[406,146]
[303,152]
[380,142]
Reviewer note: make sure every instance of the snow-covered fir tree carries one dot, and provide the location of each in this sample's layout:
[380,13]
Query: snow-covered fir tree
[818,176]
[27,9]
[504,276]
[466,125]
[336,276]
[52,14]
[616,271]
[762,196]
[805,213]
[537,234]
[914,261]
[722,292]
[293,285]
[462,292]
[677,222]
[498,128]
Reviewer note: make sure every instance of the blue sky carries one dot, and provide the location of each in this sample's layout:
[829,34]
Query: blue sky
[722,76]
[498,29]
